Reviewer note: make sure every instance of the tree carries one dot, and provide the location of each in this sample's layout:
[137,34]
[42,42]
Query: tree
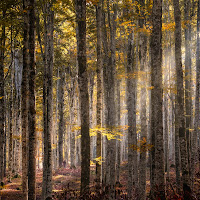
[131,107]
[84,97]
[2,98]
[48,100]
[156,99]
[180,94]
[109,64]
[197,95]
[143,117]
[31,105]
[24,102]
[99,89]
[61,114]
[188,91]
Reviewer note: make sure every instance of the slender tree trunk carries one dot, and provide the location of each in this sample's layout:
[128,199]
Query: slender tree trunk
[188,102]
[47,163]
[61,115]
[166,136]
[99,92]
[31,106]
[2,101]
[24,103]
[18,79]
[118,145]
[72,132]
[10,161]
[143,117]
[131,107]
[17,135]
[84,97]
[180,95]
[91,91]
[197,115]
[156,99]
[177,149]
[109,93]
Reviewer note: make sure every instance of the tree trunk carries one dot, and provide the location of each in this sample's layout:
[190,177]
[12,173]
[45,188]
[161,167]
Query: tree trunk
[84,97]
[109,94]
[180,94]
[24,103]
[72,131]
[31,106]
[156,99]
[197,115]
[118,145]
[131,107]
[10,160]
[2,101]
[188,101]
[48,102]
[143,117]
[18,79]
[61,115]
[99,92]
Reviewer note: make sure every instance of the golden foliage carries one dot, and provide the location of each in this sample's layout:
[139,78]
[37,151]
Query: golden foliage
[142,146]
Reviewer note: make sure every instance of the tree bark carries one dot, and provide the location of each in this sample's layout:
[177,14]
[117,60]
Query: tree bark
[131,107]
[188,100]
[109,93]
[31,106]
[2,100]
[143,117]
[84,97]
[48,102]
[24,103]
[180,95]
[61,115]
[197,115]
[156,99]
[10,152]
[99,91]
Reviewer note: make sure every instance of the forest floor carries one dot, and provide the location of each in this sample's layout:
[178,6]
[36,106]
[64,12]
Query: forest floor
[66,185]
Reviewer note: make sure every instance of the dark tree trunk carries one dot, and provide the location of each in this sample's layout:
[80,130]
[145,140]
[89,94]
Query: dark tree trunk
[197,115]
[61,115]
[48,102]
[31,106]
[156,99]
[188,100]
[84,97]
[131,107]
[180,95]
[143,117]
[99,91]
[2,100]
[24,103]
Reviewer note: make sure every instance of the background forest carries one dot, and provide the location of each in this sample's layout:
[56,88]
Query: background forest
[99,99]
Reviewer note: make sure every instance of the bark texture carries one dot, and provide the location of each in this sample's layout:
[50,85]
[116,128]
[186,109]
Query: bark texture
[31,106]
[84,97]
[48,102]
[99,91]
[131,107]
[180,95]
[188,100]
[2,100]
[197,95]
[143,105]
[61,115]
[24,103]
[156,99]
